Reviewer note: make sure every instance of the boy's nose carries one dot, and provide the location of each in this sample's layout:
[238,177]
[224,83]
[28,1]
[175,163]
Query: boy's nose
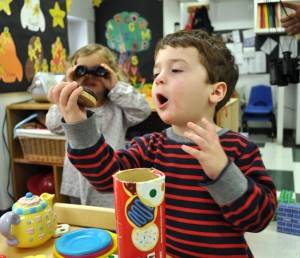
[159,80]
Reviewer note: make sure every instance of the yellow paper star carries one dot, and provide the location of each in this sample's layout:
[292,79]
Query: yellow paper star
[4,6]
[97,3]
[57,16]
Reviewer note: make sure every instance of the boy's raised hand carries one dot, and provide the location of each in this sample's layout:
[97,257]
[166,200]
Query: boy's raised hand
[65,96]
[210,154]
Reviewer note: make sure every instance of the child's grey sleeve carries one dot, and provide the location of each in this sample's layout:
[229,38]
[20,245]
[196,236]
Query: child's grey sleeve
[53,120]
[82,134]
[134,105]
[230,185]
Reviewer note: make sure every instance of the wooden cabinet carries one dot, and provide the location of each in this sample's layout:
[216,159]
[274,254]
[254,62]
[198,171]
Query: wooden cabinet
[228,116]
[267,15]
[22,169]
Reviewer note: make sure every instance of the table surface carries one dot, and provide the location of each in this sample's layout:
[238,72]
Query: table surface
[13,252]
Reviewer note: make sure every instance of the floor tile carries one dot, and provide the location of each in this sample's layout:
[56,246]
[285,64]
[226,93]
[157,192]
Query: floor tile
[277,157]
[282,179]
[296,154]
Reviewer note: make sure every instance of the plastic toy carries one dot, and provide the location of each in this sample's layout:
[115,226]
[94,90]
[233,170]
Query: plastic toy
[31,221]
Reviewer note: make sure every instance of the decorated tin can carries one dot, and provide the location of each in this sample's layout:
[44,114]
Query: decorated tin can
[140,213]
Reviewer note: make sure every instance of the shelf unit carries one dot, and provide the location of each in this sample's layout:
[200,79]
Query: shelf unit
[22,169]
[267,15]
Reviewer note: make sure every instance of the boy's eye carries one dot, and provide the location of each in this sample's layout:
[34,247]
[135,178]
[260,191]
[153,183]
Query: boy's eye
[176,70]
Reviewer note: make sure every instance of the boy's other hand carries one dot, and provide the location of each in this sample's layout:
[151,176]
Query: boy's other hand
[291,23]
[65,96]
[210,154]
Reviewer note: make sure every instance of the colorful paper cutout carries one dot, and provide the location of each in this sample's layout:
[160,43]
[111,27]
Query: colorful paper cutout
[10,65]
[97,3]
[5,6]
[36,61]
[32,16]
[58,16]
[128,34]
[58,63]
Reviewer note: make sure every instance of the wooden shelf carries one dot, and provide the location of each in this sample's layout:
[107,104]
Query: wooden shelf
[23,169]
[269,30]
[25,161]
[267,16]
[30,105]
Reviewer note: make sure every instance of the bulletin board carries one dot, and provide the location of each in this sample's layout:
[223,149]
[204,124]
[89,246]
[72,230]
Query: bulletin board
[276,53]
[131,29]
[33,38]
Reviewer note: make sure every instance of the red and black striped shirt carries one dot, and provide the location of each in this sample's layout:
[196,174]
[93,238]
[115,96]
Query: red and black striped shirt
[196,225]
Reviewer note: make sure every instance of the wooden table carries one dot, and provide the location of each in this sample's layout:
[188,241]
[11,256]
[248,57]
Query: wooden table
[75,215]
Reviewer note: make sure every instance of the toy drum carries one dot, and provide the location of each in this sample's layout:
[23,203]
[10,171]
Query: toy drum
[140,212]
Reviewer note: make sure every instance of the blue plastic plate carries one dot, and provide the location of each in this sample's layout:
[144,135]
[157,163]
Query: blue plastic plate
[83,241]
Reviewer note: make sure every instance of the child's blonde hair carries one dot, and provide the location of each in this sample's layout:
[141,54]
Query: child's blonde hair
[104,53]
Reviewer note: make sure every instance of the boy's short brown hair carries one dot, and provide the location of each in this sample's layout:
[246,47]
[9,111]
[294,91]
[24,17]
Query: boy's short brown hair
[214,55]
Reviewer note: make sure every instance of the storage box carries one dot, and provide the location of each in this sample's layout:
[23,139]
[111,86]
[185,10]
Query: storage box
[288,218]
[41,145]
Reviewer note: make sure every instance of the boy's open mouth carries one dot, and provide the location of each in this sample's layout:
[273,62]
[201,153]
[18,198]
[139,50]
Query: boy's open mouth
[162,100]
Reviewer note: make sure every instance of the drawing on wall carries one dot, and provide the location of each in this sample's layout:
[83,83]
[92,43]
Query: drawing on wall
[36,61]
[34,39]
[58,16]
[32,16]
[10,65]
[128,33]
[5,6]
[58,62]
[97,3]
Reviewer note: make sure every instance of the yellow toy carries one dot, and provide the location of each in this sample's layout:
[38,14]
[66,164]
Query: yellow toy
[31,221]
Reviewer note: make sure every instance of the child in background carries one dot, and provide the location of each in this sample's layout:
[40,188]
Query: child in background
[119,106]
[216,187]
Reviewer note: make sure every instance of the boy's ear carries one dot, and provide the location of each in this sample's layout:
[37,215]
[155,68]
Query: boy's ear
[218,92]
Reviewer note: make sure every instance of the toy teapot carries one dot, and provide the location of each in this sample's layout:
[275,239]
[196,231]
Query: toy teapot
[31,221]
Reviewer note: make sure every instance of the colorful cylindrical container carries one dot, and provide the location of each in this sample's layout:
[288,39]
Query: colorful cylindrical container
[140,213]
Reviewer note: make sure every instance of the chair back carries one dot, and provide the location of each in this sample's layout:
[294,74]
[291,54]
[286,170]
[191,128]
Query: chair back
[261,95]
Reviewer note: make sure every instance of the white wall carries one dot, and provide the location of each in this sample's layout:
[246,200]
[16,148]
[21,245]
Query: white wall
[81,24]
[171,14]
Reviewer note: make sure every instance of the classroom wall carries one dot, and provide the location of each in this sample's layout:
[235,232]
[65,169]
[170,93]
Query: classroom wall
[231,15]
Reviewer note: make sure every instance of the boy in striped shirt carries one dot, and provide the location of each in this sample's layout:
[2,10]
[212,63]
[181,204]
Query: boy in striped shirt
[217,187]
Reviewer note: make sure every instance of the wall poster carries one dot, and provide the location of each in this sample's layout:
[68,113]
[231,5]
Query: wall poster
[131,29]
[33,37]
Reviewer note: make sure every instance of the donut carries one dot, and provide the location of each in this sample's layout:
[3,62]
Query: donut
[87,98]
